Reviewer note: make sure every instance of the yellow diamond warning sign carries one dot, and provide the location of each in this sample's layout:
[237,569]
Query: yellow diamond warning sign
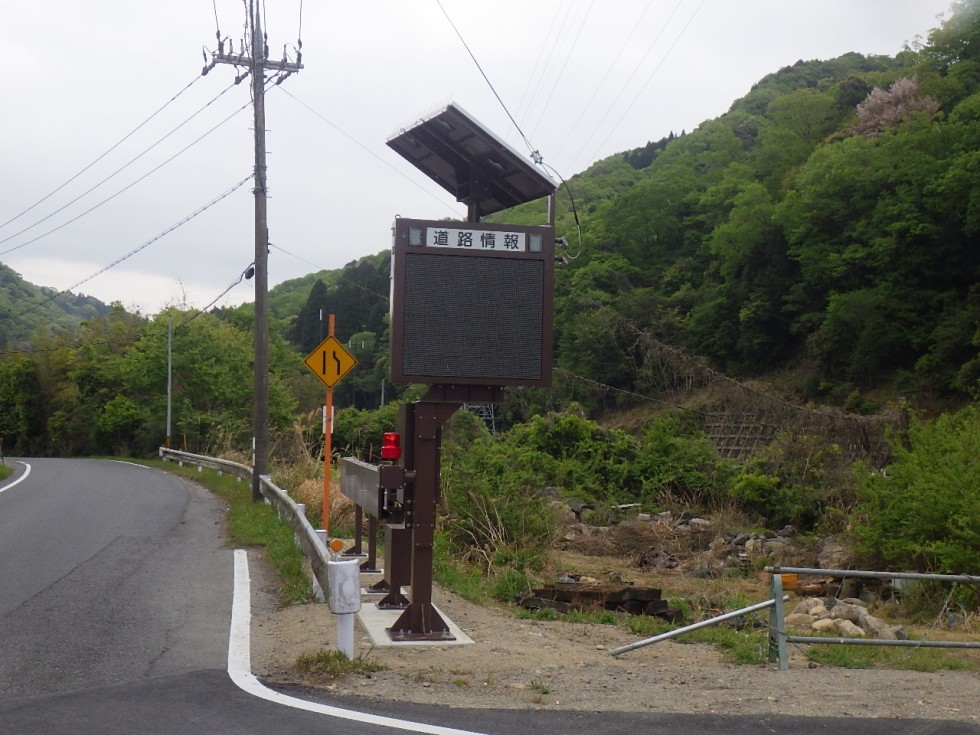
[330,361]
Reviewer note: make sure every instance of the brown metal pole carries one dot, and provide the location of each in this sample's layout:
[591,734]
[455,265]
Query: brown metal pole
[421,621]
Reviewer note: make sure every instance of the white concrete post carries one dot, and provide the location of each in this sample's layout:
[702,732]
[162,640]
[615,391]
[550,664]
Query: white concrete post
[344,596]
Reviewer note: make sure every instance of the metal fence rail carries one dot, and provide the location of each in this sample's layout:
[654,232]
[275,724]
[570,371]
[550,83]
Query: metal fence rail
[287,508]
[694,626]
[778,638]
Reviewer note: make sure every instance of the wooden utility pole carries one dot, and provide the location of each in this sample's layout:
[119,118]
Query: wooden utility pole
[257,63]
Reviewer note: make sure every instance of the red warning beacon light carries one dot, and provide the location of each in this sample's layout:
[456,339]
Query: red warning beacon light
[391,446]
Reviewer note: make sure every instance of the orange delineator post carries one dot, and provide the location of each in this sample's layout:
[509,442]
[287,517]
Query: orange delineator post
[328,431]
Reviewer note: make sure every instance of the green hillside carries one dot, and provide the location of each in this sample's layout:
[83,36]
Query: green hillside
[825,227]
[28,311]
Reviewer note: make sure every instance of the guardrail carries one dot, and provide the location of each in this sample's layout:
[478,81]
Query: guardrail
[287,508]
[778,638]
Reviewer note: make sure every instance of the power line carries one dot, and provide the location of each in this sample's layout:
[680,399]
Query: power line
[116,172]
[321,268]
[649,78]
[547,64]
[537,61]
[360,145]
[534,153]
[636,69]
[587,106]
[561,72]
[125,188]
[106,153]
[136,250]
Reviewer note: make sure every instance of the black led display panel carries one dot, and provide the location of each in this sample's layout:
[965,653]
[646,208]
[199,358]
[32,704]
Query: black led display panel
[471,314]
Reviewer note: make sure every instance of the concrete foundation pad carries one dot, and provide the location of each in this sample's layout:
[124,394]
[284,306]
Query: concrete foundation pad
[375,621]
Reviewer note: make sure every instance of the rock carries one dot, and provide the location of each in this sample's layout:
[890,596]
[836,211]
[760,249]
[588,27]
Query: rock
[877,628]
[806,605]
[799,620]
[786,531]
[846,611]
[776,547]
[953,620]
[855,601]
[833,554]
[848,629]
[657,557]
[720,545]
[699,524]
[563,514]
[824,626]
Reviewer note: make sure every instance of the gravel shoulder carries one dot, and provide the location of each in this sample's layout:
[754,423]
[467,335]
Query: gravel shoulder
[521,664]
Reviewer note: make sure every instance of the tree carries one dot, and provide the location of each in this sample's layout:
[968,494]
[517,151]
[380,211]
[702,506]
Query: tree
[21,418]
[309,329]
[887,109]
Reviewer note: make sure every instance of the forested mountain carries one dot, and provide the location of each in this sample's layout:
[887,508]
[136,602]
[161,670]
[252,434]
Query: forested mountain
[830,218]
[829,222]
[826,229]
[27,310]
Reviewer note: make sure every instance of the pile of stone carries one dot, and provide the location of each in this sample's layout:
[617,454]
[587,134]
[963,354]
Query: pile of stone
[847,618]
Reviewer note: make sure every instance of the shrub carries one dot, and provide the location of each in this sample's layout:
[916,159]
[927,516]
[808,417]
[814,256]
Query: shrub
[924,512]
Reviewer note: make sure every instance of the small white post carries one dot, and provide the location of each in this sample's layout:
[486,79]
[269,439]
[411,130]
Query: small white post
[344,597]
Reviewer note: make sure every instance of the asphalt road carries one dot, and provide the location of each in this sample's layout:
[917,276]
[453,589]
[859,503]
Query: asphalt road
[116,599]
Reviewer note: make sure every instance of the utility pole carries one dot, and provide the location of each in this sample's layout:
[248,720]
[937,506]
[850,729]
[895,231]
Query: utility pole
[257,63]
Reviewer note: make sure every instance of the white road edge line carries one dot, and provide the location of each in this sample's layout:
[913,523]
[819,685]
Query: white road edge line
[131,464]
[240,667]
[20,479]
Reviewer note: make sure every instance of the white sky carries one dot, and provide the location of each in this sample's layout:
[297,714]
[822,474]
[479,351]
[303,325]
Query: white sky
[583,78]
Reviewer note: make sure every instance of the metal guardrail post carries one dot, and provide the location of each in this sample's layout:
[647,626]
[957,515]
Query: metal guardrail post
[777,625]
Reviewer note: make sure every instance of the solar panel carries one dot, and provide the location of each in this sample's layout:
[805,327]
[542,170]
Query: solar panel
[470,162]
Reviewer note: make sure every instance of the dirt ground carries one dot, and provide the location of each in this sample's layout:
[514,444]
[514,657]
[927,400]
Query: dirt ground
[516,663]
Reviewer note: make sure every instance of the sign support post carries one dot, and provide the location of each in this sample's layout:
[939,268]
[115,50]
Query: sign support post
[330,362]
[327,448]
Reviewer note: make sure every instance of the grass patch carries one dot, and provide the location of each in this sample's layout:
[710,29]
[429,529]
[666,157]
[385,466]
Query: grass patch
[329,665]
[5,471]
[879,657]
[255,524]
[461,579]
[738,646]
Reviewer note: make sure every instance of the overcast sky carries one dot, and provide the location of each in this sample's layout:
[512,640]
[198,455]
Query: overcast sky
[583,78]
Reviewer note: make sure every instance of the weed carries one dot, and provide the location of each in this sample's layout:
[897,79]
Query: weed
[539,686]
[335,664]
